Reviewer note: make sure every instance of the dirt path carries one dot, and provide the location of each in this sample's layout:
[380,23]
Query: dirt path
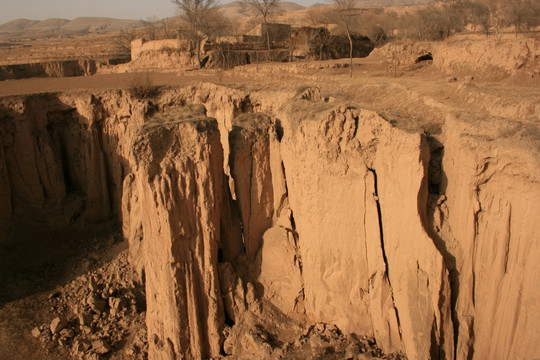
[89,83]
[419,97]
[416,89]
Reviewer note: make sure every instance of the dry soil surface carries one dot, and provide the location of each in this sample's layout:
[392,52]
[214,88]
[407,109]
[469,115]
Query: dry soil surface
[36,280]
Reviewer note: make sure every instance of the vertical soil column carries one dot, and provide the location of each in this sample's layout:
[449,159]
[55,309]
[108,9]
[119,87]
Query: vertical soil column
[328,194]
[250,168]
[176,189]
[490,225]
[358,192]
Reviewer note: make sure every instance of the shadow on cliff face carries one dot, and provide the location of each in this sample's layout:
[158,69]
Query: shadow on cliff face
[437,182]
[59,197]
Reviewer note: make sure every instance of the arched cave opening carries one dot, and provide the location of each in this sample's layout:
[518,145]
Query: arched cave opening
[424,57]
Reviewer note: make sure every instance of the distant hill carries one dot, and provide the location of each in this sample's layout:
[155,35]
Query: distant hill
[99,25]
[239,9]
[81,25]
[381,3]
[290,6]
[18,25]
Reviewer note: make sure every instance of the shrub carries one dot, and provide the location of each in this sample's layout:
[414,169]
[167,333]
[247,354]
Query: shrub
[141,86]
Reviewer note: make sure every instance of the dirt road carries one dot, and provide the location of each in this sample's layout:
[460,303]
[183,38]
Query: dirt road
[94,82]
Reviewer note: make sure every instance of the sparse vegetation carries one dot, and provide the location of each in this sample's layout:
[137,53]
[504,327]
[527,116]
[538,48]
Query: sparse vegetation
[440,20]
[200,21]
[155,29]
[344,16]
[265,8]
[432,22]
[142,87]
[125,37]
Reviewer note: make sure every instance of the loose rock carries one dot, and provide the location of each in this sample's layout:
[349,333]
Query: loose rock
[97,305]
[36,332]
[58,324]
[100,347]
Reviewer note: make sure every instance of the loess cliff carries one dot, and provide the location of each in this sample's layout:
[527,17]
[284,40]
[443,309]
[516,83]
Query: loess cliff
[259,224]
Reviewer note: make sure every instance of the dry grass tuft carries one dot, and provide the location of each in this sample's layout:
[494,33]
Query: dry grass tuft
[142,87]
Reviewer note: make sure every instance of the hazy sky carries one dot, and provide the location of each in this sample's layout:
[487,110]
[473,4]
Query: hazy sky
[69,9]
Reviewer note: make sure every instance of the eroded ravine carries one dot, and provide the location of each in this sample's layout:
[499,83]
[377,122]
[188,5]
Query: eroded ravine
[206,206]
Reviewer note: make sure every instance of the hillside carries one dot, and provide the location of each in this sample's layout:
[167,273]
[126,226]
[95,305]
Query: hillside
[80,25]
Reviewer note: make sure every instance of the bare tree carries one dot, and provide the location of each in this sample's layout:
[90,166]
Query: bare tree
[499,14]
[485,22]
[478,14]
[323,41]
[344,14]
[168,28]
[320,17]
[265,8]
[151,28]
[521,13]
[200,20]
[494,15]
[534,14]
[125,37]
